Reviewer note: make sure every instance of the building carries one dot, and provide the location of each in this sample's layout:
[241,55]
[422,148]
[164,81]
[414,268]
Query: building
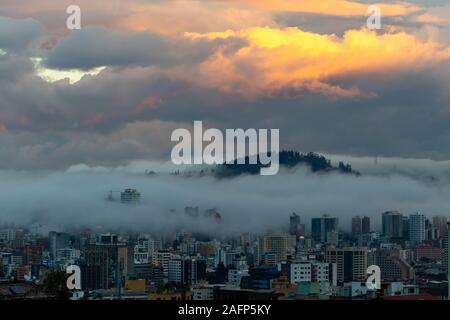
[393,265]
[33,254]
[351,263]
[427,252]
[162,258]
[300,272]
[227,256]
[204,292]
[111,263]
[130,196]
[365,225]
[356,227]
[260,277]
[439,226]
[310,271]
[392,224]
[186,271]
[322,227]
[235,276]
[447,258]
[57,240]
[417,228]
[405,228]
[295,227]
[276,245]
[67,256]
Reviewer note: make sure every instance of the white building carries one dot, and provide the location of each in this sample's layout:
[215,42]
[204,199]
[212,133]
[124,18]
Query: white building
[162,258]
[301,272]
[417,232]
[310,271]
[175,272]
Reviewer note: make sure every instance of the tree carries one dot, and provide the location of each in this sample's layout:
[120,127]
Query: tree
[54,284]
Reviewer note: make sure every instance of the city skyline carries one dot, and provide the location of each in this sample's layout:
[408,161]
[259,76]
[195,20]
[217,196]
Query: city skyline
[224,150]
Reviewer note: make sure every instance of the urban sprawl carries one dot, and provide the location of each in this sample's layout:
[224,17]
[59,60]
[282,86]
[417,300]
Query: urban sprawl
[304,262]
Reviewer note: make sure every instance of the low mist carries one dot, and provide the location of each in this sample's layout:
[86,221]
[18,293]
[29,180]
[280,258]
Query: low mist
[76,197]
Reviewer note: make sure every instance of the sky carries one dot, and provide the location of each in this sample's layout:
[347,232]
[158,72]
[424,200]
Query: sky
[109,95]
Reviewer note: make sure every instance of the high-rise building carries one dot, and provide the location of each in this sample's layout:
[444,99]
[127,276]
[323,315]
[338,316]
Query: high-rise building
[392,224]
[365,225]
[356,227]
[351,263]
[186,271]
[162,258]
[439,225]
[321,227]
[417,228]
[295,227]
[405,228]
[112,263]
[57,241]
[273,244]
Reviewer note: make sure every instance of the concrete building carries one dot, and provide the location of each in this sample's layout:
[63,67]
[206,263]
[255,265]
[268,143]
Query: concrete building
[322,227]
[392,224]
[295,227]
[356,227]
[273,244]
[417,232]
[351,263]
[393,265]
[162,258]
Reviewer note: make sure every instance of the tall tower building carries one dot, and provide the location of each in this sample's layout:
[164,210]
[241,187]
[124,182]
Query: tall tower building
[392,224]
[439,225]
[356,227]
[365,225]
[295,227]
[322,227]
[417,229]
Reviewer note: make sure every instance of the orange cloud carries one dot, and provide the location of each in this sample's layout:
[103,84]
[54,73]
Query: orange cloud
[333,7]
[277,58]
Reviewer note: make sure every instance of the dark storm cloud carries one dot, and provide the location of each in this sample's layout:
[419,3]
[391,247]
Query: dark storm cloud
[407,116]
[17,34]
[94,47]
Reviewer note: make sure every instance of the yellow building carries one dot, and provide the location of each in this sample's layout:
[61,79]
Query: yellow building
[135,285]
[170,295]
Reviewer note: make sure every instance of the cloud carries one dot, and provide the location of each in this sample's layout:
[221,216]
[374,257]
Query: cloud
[275,58]
[334,7]
[17,34]
[75,198]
